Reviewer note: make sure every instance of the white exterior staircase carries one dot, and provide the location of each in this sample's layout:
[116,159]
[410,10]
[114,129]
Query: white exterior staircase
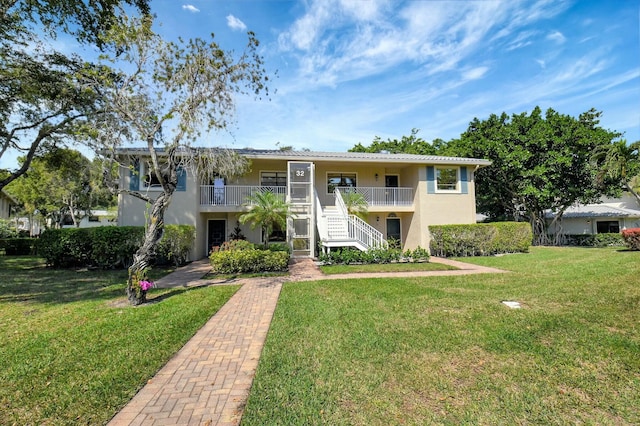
[337,228]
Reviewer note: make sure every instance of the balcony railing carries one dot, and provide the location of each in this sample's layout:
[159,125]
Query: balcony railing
[381,196]
[234,195]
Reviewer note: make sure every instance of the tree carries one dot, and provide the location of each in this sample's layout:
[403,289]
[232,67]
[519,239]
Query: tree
[60,183]
[407,144]
[46,97]
[540,162]
[173,92]
[619,163]
[267,210]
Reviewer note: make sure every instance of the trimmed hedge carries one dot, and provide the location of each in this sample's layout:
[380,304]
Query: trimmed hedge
[18,246]
[594,240]
[480,239]
[111,246]
[239,257]
[631,238]
[104,246]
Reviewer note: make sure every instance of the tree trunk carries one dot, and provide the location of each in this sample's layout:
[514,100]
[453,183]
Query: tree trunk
[539,228]
[143,257]
[634,193]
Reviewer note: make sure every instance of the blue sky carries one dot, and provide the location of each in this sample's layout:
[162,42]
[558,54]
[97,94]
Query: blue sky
[353,69]
[350,70]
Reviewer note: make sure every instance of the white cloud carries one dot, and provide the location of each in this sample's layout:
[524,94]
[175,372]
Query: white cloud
[556,36]
[474,73]
[335,41]
[191,8]
[235,23]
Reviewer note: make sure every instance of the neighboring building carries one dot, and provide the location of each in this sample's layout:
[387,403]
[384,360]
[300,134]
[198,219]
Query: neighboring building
[612,215]
[95,218]
[405,194]
[6,203]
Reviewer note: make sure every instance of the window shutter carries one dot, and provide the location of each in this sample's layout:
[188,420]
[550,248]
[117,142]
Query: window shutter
[431,180]
[464,186]
[182,179]
[134,175]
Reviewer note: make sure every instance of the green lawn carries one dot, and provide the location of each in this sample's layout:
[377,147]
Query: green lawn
[444,350]
[384,267]
[72,351]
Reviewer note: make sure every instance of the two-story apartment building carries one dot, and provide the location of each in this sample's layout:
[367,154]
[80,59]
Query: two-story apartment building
[404,193]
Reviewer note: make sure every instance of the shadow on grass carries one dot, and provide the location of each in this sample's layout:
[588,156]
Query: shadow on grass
[28,279]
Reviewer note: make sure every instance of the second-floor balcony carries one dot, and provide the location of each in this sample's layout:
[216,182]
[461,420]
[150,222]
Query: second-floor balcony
[238,195]
[382,196]
[234,195]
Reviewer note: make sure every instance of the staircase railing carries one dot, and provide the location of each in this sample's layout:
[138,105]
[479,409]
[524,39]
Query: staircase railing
[365,234]
[358,229]
[321,219]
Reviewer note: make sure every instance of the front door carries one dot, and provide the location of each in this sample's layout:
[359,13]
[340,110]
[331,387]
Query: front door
[216,233]
[393,229]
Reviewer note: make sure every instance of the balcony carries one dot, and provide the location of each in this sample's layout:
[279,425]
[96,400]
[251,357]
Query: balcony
[382,196]
[234,195]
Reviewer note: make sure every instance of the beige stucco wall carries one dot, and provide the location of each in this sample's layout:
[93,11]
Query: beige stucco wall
[428,209]
[183,209]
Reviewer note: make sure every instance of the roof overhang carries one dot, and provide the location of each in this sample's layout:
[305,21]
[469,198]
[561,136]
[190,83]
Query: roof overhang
[336,157]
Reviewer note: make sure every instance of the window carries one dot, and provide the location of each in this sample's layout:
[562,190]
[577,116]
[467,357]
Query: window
[94,219]
[608,227]
[340,180]
[273,179]
[447,179]
[149,178]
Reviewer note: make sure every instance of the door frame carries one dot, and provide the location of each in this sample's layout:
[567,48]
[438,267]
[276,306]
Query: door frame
[207,242]
[386,223]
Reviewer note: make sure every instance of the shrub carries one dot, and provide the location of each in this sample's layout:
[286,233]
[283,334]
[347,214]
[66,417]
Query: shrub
[248,260]
[175,244]
[417,255]
[7,229]
[631,238]
[104,247]
[18,246]
[349,256]
[233,245]
[481,239]
[114,246]
[594,240]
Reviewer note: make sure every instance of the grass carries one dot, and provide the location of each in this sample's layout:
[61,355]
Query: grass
[444,350]
[384,267]
[72,351]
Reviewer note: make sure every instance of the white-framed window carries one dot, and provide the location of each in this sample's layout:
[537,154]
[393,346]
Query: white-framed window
[269,178]
[447,179]
[340,179]
[149,180]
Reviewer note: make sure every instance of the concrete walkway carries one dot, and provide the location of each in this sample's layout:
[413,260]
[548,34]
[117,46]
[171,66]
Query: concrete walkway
[207,382]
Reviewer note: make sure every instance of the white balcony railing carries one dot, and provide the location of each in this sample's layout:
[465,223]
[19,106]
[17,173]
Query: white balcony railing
[234,195]
[382,196]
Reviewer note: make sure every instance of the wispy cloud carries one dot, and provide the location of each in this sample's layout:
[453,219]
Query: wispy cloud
[335,41]
[235,23]
[557,37]
[191,8]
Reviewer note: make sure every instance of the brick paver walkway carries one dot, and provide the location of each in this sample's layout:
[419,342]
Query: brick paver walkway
[207,382]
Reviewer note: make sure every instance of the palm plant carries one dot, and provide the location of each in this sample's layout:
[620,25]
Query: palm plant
[356,204]
[620,161]
[267,210]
